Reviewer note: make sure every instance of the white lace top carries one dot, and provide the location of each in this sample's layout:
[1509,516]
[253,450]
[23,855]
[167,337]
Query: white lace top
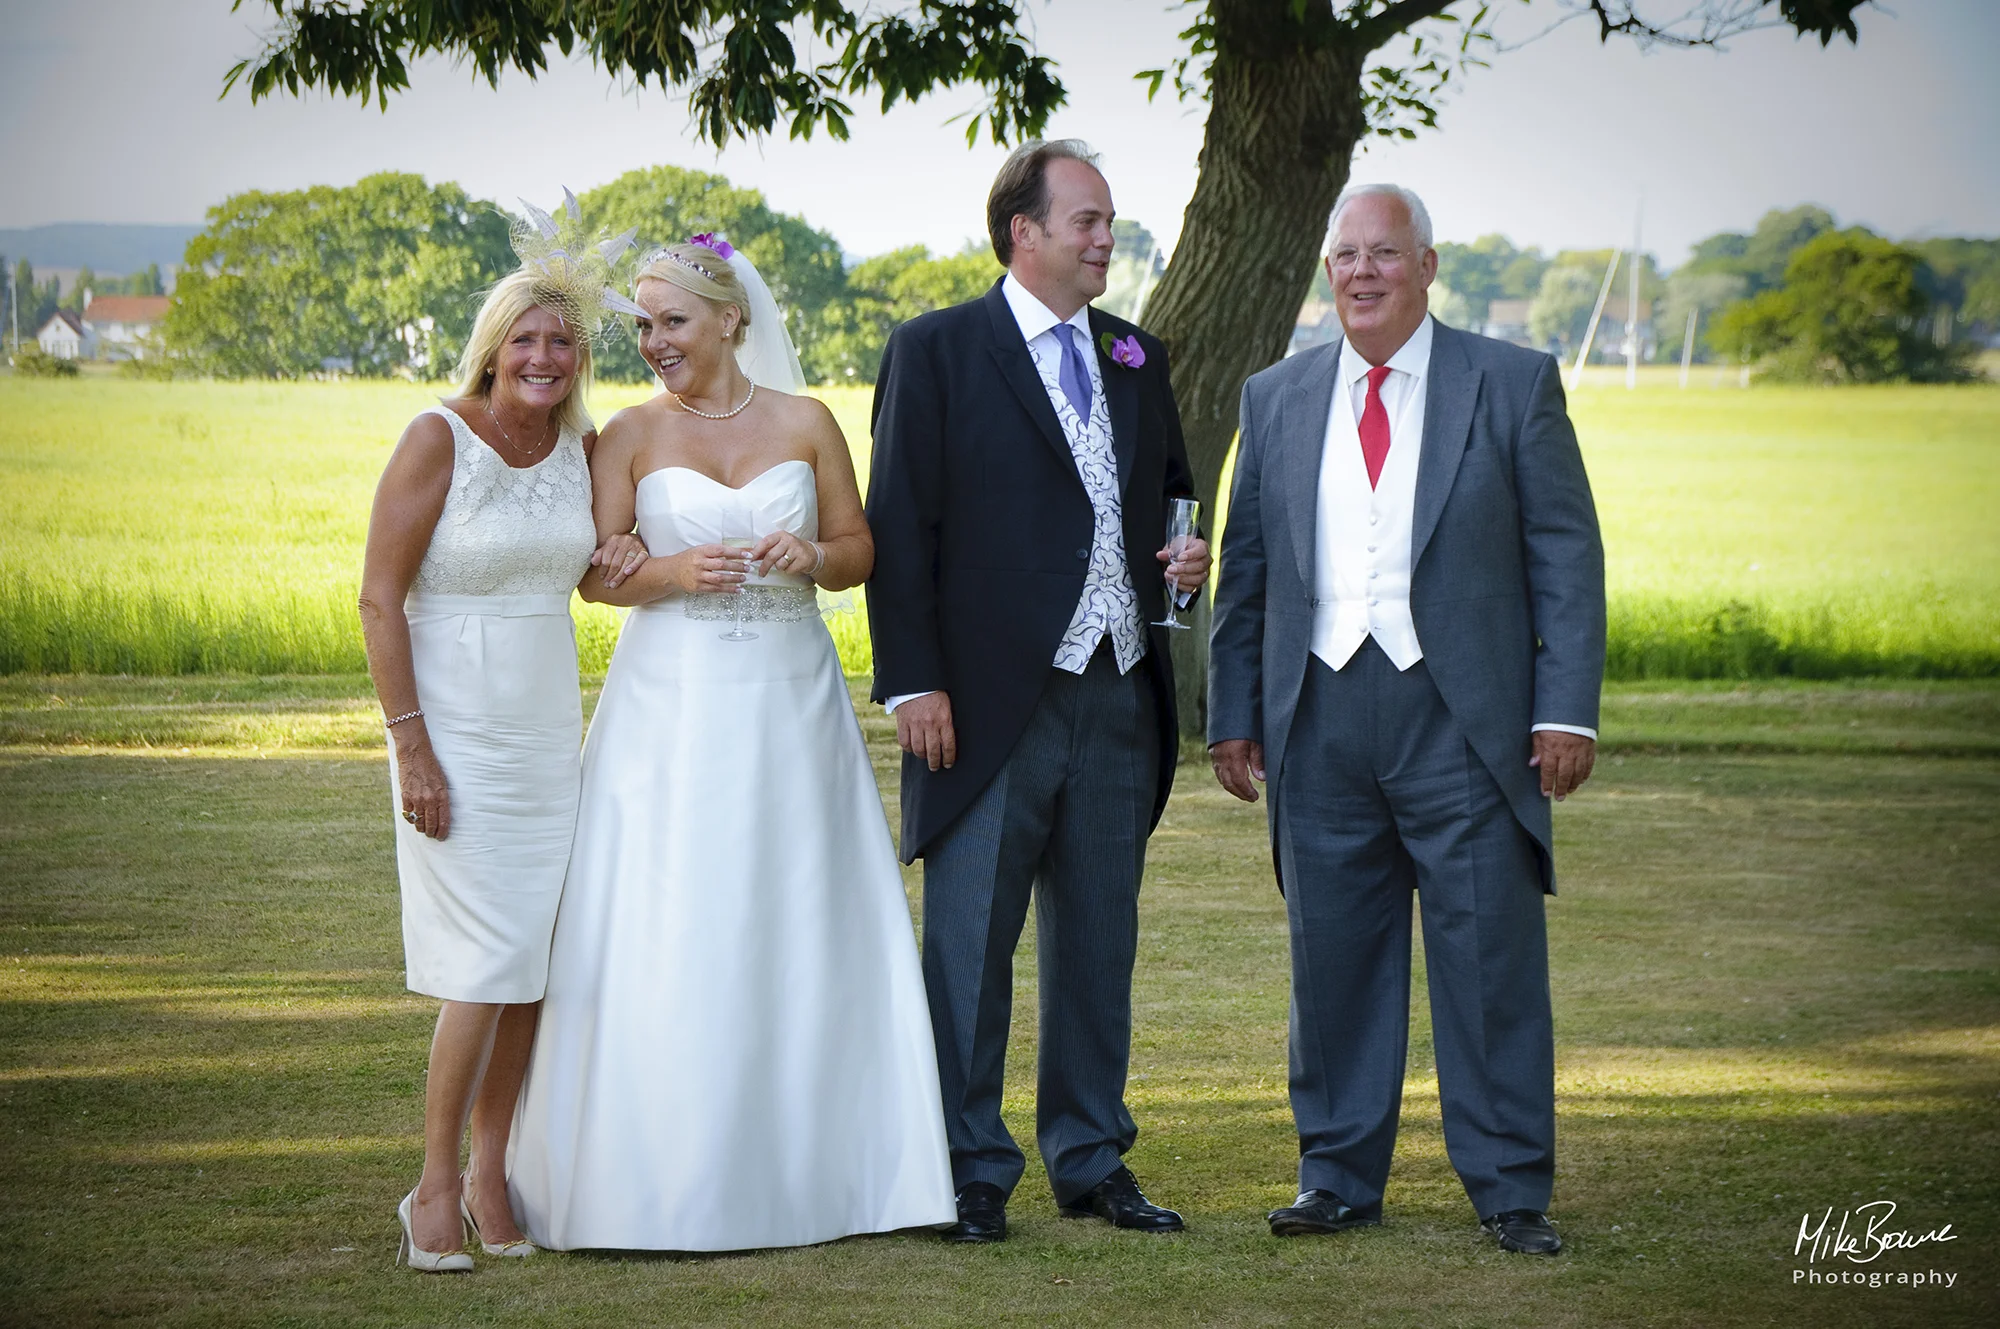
[507,530]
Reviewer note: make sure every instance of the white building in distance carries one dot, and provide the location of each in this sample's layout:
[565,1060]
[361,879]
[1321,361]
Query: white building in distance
[114,326]
[122,323]
[66,337]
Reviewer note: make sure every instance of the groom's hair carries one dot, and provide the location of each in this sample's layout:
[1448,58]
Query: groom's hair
[1022,189]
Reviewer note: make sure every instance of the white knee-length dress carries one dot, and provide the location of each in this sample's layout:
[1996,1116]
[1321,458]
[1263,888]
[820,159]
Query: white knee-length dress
[495,658]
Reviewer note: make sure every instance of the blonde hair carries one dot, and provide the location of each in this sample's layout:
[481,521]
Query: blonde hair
[701,271]
[514,295]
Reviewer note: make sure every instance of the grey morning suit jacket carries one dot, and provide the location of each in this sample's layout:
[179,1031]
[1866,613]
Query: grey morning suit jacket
[1507,569]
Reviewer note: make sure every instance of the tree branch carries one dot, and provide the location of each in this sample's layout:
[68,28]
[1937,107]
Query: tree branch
[1398,18]
[1715,21]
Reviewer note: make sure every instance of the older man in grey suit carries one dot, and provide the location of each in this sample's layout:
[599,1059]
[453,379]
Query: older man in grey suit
[1409,644]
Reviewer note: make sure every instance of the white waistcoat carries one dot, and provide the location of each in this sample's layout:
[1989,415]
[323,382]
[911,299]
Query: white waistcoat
[1362,550]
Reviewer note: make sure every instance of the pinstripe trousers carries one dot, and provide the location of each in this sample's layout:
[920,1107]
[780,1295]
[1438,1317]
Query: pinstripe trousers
[1064,822]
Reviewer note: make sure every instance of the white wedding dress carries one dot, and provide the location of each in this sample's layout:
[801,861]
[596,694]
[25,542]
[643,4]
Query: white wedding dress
[735,1050]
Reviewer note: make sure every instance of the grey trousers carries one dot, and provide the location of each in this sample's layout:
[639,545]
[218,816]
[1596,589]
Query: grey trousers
[1380,796]
[1065,821]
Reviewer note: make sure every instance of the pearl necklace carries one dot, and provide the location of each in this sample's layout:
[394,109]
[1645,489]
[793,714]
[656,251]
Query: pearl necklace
[711,415]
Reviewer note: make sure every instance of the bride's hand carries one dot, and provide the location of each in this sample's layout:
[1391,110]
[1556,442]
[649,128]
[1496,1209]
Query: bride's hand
[707,569]
[785,552]
[620,557]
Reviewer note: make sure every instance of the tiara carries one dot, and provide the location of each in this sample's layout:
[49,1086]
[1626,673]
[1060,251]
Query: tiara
[687,263]
[708,240]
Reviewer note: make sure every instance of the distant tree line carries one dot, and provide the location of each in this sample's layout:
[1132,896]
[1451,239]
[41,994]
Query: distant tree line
[1797,296]
[384,276]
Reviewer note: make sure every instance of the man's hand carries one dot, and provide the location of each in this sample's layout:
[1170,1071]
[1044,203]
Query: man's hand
[1190,570]
[1237,762]
[923,729]
[1565,761]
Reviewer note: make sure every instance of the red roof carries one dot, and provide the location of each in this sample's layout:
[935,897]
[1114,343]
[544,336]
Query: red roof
[127,309]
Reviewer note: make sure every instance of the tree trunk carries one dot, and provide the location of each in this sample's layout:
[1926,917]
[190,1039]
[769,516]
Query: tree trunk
[1285,114]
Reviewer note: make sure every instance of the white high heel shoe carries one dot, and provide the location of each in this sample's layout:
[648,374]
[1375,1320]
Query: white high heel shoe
[421,1260]
[510,1250]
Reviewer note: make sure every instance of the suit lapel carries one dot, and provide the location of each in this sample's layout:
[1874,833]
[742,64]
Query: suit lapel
[1121,399]
[1449,399]
[1306,407]
[1017,370]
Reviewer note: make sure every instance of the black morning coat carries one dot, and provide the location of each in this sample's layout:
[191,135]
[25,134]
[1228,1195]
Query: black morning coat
[983,530]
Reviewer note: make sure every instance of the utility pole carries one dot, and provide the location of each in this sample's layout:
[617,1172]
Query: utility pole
[1687,346]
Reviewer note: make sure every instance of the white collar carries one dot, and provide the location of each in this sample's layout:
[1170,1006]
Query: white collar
[1035,317]
[1413,357]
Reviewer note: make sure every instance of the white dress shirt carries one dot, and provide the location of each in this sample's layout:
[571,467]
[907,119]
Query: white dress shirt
[1362,551]
[1108,606]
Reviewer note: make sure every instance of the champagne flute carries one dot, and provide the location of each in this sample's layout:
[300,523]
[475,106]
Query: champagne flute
[1183,519]
[736,632]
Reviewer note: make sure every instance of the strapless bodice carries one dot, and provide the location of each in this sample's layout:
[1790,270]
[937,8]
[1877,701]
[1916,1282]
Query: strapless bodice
[679,508]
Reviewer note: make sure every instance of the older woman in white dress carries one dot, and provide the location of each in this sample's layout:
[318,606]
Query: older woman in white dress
[481,529]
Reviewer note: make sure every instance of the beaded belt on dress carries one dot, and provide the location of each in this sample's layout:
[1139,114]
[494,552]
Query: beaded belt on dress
[756,604]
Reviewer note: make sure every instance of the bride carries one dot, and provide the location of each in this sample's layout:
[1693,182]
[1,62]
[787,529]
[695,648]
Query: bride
[735,1050]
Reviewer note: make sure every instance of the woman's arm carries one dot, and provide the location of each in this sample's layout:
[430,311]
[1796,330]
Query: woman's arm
[408,501]
[614,500]
[849,548]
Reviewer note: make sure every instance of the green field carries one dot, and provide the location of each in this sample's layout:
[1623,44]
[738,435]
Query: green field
[170,528]
[1773,960]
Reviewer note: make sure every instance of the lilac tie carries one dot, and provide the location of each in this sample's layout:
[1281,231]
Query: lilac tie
[1074,375]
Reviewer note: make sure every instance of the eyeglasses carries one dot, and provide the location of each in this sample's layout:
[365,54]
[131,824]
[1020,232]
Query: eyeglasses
[1386,258]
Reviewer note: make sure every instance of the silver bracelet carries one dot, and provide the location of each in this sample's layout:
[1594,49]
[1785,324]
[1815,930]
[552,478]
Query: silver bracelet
[820,549]
[391,724]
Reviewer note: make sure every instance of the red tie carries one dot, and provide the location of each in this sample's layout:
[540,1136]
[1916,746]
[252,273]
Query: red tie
[1375,426]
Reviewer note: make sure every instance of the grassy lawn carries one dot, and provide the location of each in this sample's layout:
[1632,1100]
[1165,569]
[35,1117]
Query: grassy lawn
[166,528]
[1777,981]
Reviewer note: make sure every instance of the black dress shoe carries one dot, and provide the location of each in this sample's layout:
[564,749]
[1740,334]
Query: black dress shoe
[982,1215]
[1316,1213]
[1527,1231]
[1119,1201]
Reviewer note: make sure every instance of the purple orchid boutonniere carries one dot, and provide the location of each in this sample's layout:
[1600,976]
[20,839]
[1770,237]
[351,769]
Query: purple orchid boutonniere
[711,241]
[1123,351]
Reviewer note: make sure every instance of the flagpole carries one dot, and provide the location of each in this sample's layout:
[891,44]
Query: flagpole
[1632,306]
[1597,312]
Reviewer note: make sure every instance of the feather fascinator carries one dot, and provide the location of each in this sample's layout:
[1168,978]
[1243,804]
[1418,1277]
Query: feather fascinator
[577,275]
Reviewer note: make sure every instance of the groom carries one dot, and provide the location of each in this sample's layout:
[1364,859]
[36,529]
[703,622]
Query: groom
[1025,447]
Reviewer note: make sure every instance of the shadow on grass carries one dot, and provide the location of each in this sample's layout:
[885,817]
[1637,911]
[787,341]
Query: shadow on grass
[1775,988]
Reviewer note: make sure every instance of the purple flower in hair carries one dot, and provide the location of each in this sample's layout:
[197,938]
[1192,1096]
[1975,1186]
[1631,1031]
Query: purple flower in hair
[1124,351]
[711,241]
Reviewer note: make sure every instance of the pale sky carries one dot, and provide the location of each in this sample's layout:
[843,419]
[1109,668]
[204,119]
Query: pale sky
[109,112]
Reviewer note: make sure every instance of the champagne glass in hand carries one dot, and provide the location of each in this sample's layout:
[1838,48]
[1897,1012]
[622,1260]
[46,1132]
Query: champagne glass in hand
[1183,519]
[736,632]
